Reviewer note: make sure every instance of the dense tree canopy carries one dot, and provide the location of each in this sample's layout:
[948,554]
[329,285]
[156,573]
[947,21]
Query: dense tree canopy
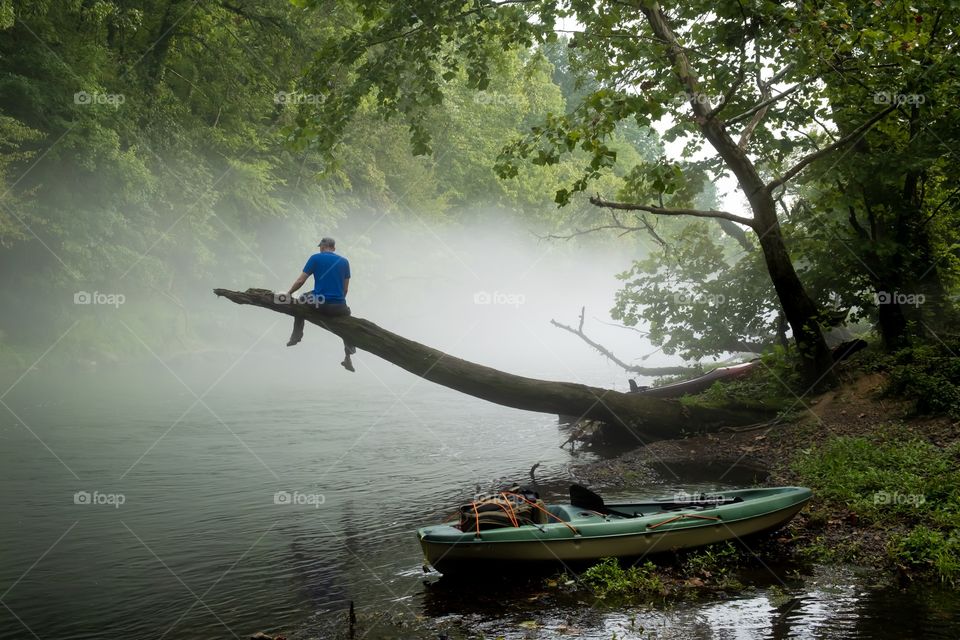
[139,140]
[787,117]
[142,141]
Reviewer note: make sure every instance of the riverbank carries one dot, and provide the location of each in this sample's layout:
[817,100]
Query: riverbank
[831,571]
[883,480]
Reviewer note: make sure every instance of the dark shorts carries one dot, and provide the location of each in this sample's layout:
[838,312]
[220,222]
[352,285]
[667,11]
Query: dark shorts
[326,308]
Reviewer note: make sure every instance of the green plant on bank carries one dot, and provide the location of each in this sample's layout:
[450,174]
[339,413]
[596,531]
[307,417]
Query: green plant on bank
[927,373]
[713,560]
[933,550]
[608,578]
[773,384]
[823,551]
[714,565]
[894,479]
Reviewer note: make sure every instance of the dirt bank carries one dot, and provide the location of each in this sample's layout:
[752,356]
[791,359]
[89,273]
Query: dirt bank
[819,533]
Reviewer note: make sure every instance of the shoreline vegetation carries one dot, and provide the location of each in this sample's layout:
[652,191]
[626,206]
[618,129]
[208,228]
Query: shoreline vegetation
[881,453]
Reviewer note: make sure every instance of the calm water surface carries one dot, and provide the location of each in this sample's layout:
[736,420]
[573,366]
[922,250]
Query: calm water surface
[133,509]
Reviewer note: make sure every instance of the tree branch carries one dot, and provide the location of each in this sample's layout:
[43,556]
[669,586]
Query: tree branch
[645,418]
[757,117]
[813,157]
[616,225]
[761,105]
[661,211]
[644,371]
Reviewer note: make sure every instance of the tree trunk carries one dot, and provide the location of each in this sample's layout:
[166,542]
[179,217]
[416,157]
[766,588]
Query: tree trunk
[646,418]
[798,307]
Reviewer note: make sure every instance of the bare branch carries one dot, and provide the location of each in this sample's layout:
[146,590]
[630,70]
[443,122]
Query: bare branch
[762,105]
[764,88]
[661,211]
[645,371]
[813,157]
[616,225]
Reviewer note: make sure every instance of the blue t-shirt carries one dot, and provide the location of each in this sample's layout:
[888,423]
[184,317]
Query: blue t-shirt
[329,272]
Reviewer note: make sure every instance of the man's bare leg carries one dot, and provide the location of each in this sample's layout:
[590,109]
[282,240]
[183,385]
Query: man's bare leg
[297,334]
[347,362]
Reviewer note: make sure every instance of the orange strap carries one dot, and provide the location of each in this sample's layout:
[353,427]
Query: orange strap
[558,518]
[681,517]
[507,507]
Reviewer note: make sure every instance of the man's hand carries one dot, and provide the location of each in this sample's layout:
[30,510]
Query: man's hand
[298,283]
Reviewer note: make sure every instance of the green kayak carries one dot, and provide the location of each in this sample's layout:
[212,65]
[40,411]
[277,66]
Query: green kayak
[588,529]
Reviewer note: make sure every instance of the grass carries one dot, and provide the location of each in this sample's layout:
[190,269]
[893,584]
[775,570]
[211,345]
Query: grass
[690,573]
[928,374]
[894,480]
[609,578]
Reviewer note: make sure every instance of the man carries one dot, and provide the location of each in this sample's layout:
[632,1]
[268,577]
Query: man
[331,279]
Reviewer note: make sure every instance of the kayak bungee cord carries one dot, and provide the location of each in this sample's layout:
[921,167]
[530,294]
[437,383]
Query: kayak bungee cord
[680,517]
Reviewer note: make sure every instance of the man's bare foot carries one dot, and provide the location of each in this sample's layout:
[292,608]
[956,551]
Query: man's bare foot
[294,340]
[347,364]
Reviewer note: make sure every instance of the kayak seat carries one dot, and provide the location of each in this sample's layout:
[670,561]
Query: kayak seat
[565,512]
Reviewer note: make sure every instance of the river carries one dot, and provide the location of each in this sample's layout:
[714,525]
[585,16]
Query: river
[146,502]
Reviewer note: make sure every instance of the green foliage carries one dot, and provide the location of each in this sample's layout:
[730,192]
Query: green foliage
[609,578]
[200,127]
[881,217]
[714,561]
[928,374]
[773,385]
[895,480]
[931,550]
[889,475]
[141,142]
[820,550]
[700,295]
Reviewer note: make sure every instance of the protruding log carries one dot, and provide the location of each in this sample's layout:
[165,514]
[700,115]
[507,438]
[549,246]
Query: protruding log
[647,418]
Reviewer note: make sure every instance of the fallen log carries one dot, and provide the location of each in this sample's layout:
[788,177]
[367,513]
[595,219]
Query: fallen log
[644,418]
[700,383]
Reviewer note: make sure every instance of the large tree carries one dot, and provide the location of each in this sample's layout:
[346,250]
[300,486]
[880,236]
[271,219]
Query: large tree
[745,93]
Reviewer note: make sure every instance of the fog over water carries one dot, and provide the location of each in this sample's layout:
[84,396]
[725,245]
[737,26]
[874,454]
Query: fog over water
[484,291]
[141,479]
[210,482]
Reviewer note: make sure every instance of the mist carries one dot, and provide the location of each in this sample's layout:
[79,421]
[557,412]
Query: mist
[483,290]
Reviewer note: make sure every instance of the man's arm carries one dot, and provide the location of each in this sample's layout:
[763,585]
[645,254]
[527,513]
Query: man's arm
[298,283]
[346,285]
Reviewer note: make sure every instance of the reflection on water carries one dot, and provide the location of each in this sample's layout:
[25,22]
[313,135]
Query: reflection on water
[200,547]
[831,604]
